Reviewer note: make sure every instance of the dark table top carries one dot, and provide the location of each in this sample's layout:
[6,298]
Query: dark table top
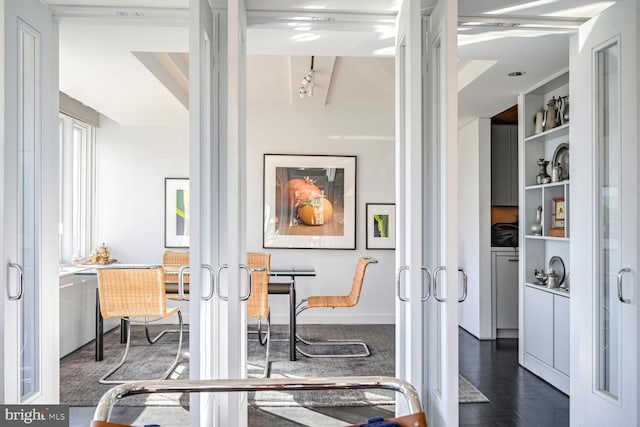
[292,270]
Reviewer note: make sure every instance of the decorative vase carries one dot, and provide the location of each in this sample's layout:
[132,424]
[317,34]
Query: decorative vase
[552,112]
[536,225]
[564,116]
[538,122]
[556,173]
[542,176]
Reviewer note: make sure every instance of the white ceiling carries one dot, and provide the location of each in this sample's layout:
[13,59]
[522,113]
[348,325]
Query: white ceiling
[99,68]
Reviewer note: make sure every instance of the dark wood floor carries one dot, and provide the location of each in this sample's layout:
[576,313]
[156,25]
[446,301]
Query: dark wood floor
[517,397]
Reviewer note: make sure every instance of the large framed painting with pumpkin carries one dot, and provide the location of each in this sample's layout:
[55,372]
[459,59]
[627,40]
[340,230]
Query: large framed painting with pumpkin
[309,201]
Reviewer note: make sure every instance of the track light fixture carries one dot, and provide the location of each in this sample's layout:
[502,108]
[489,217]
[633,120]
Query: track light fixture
[307,83]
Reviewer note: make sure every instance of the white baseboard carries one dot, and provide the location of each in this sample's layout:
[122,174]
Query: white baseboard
[507,333]
[343,319]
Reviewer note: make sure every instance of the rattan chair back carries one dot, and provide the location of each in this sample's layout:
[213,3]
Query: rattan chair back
[258,303]
[132,292]
[352,298]
[175,259]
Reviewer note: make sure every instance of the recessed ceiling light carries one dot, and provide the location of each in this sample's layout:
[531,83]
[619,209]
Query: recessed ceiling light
[516,73]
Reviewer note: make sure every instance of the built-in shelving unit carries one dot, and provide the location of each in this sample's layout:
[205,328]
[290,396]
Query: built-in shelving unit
[544,321]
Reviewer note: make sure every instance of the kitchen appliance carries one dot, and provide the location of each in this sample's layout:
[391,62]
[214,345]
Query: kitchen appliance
[504,234]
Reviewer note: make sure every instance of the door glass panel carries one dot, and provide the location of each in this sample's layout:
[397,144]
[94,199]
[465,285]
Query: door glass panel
[29,133]
[607,99]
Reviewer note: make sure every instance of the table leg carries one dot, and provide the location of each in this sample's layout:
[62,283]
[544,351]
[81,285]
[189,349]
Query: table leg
[292,319]
[124,327]
[99,330]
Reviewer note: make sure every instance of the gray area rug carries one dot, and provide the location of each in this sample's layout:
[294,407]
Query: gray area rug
[79,372]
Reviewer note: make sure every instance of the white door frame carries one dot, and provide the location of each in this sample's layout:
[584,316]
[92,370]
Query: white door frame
[218,152]
[589,405]
[41,128]
[426,199]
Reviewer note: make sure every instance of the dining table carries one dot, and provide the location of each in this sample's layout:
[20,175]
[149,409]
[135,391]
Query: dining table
[290,272]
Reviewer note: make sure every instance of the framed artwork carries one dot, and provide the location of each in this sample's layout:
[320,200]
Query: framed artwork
[558,212]
[558,216]
[309,201]
[381,225]
[176,212]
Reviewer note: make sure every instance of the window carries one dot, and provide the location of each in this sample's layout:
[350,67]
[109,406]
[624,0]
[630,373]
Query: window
[76,188]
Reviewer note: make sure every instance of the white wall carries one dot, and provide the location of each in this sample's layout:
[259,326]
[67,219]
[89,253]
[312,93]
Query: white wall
[132,162]
[474,244]
[131,165]
[362,130]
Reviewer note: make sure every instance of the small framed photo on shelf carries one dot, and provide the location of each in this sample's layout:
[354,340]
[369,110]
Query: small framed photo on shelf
[557,217]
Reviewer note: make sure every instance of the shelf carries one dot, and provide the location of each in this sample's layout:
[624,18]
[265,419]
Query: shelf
[558,291]
[551,184]
[556,132]
[557,239]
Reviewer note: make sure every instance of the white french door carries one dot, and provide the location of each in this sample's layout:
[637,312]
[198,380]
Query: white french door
[426,192]
[604,183]
[29,236]
[217,164]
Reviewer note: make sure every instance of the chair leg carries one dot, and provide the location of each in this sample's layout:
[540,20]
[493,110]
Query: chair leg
[365,348]
[160,335]
[104,380]
[265,340]
[177,359]
[267,364]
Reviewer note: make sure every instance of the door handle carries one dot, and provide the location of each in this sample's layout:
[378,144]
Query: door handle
[429,278]
[250,271]
[401,271]
[619,280]
[212,282]
[20,282]
[217,281]
[435,283]
[464,284]
[181,271]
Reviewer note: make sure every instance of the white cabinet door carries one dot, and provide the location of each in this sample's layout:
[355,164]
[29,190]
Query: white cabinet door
[561,333]
[604,237]
[506,288]
[538,324]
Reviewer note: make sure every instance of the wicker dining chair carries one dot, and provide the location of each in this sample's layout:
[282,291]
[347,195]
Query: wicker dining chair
[128,291]
[332,301]
[258,303]
[174,261]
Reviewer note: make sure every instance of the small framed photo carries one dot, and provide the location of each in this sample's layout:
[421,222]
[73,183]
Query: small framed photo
[558,216]
[176,212]
[381,225]
[558,212]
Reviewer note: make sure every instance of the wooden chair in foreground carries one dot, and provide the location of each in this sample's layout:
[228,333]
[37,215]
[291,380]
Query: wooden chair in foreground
[128,292]
[349,300]
[258,303]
